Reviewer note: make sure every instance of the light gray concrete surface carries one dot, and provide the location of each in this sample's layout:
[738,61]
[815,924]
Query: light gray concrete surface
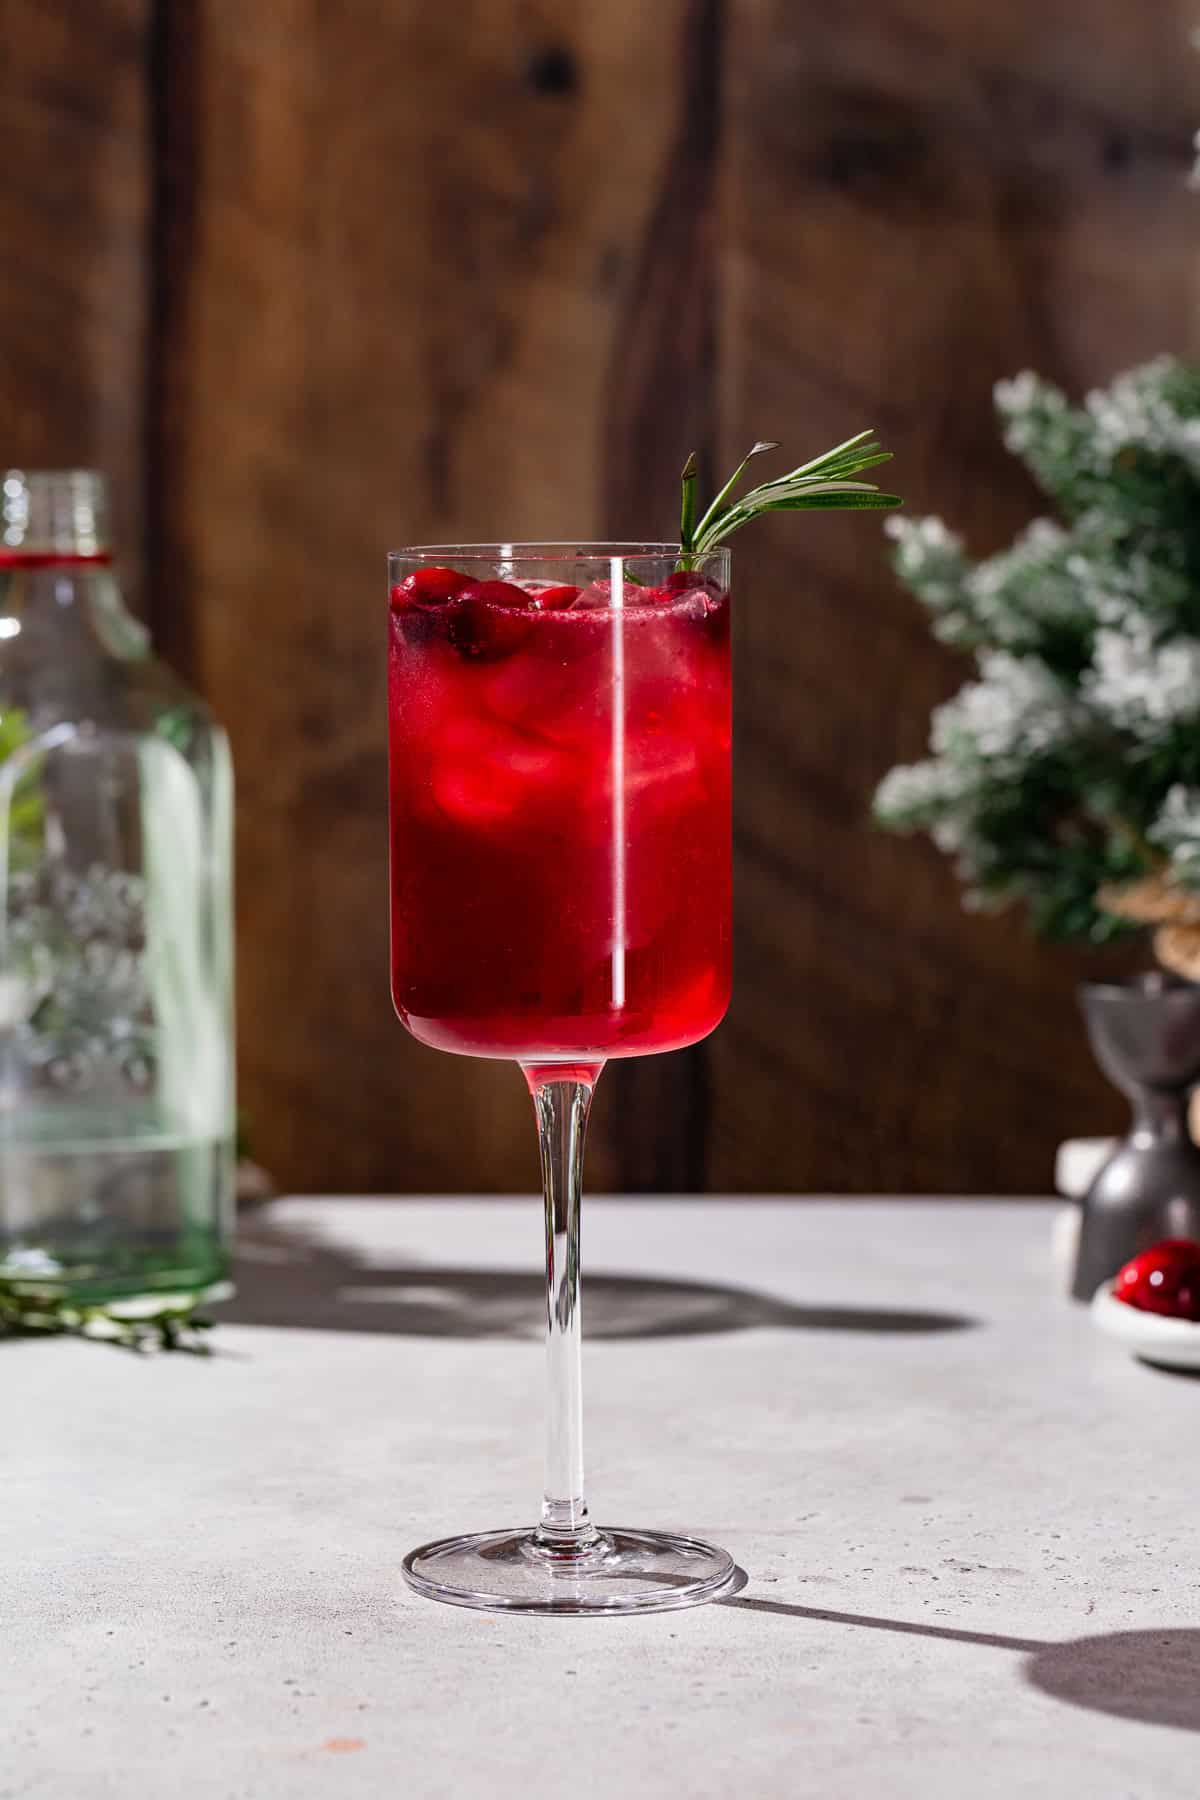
[971,1553]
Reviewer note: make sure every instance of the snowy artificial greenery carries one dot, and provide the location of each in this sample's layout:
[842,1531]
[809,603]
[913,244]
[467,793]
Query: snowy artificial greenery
[1066,774]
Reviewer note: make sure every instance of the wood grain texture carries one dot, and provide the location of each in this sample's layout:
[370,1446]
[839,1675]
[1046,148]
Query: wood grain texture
[413,237]
[311,281]
[76,213]
[661,404]
[912,209]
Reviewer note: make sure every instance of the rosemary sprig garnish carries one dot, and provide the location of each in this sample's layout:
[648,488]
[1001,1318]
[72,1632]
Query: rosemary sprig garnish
[687,511]
[827,482]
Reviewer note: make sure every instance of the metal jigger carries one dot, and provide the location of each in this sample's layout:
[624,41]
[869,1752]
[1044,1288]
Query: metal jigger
[1146,1037]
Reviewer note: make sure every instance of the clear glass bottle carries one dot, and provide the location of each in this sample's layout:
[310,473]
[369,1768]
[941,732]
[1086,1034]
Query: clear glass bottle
[116,1030]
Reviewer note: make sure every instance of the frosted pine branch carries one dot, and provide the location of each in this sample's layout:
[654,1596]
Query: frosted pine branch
[1069,764]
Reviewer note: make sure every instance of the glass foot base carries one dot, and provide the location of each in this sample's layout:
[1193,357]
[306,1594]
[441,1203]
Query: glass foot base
[622,1572]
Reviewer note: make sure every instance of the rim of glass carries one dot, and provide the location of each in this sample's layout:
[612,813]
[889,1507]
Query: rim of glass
[549,550]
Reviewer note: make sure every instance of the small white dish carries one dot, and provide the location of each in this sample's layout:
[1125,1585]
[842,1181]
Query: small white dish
[1173,1343]
[1077,1163]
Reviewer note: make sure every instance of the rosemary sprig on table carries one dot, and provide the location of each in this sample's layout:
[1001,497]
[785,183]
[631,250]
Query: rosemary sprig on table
[130,1325]
[825,483]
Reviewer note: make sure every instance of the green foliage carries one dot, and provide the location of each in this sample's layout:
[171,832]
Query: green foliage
[26,807]
[33,1312]
[826,483]
[1072,761]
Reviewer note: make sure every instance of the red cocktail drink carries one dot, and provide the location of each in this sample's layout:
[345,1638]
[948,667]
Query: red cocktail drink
[560,806]
[560,822]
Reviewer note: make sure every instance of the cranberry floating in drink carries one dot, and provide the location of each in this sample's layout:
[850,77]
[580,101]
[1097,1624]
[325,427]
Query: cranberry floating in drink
[560,838]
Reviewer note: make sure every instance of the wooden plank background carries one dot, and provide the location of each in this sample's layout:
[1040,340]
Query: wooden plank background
[313,281]
[76,211]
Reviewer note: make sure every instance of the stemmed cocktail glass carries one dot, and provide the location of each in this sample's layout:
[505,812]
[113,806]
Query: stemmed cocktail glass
[560,838]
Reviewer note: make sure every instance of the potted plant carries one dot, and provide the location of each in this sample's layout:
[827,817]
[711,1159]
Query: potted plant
[1065,774]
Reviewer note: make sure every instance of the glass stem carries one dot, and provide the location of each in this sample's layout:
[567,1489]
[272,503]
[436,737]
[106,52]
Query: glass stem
[561,1100]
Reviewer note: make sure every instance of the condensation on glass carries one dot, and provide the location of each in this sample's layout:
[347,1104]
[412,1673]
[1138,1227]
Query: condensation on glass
[116,1048]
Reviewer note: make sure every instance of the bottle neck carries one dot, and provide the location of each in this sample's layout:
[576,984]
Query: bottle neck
[54,515]
[60,605]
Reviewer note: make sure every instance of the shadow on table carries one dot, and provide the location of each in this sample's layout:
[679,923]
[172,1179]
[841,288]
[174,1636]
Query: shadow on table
[1166,1369]
[288,1277]
[1150,1676]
